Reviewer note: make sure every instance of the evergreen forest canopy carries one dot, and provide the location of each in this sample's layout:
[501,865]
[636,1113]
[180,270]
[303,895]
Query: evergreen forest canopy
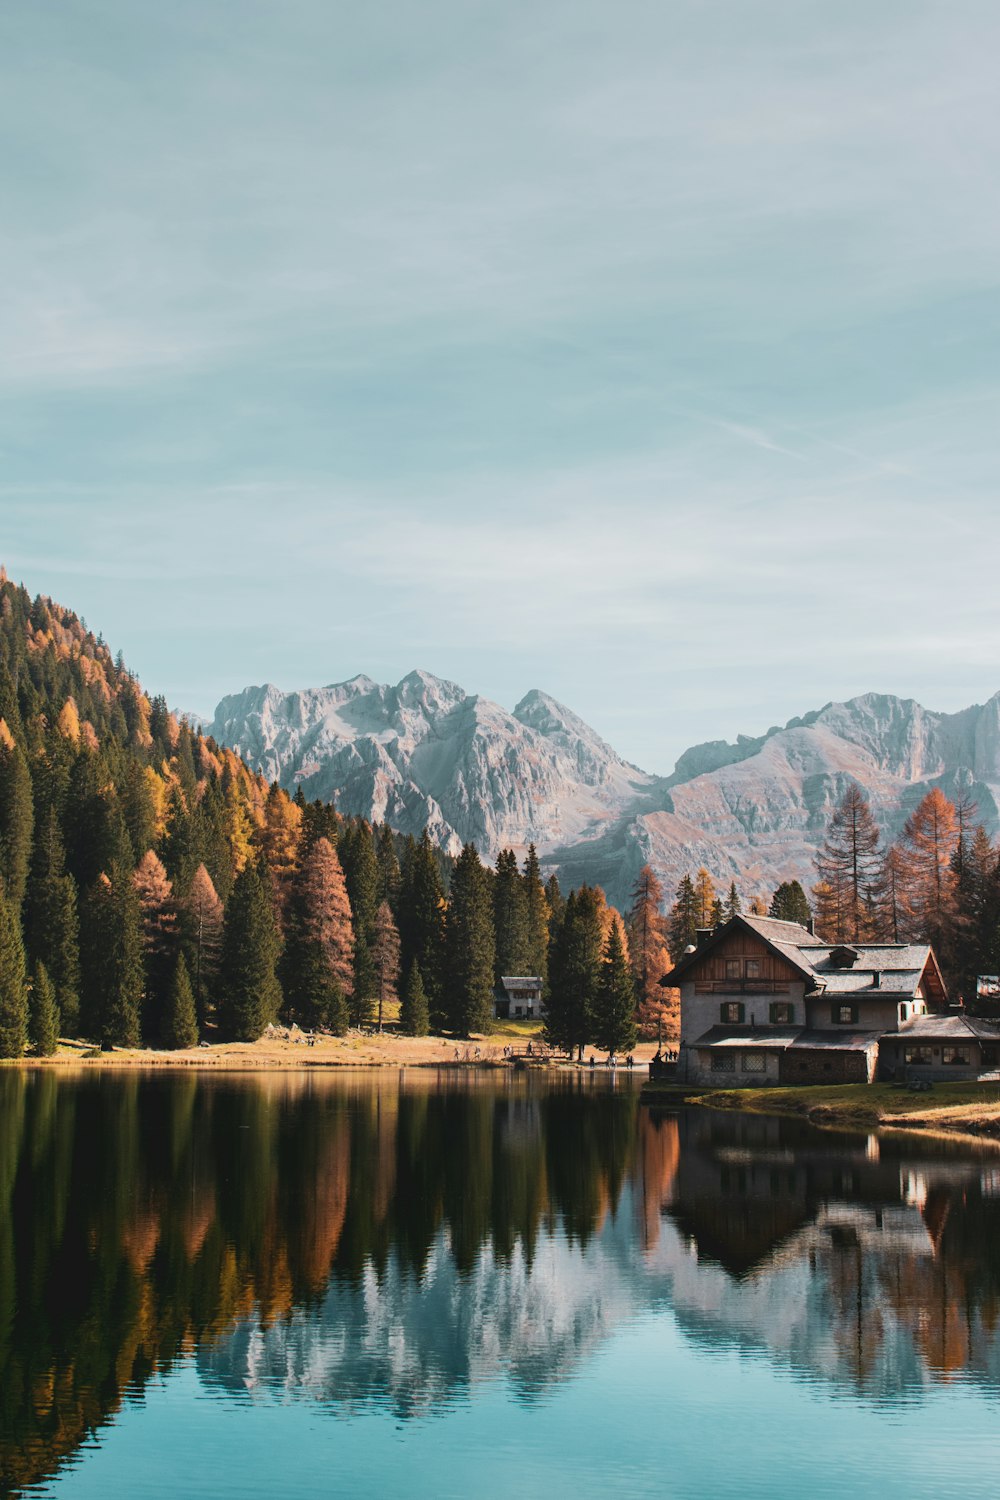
[154,889]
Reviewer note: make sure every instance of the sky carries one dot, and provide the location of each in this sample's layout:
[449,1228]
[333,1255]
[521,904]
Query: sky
[643,352]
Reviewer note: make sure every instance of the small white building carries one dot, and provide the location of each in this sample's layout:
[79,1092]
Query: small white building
[518,997]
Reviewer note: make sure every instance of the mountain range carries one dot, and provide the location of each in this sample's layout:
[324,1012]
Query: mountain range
[427,753]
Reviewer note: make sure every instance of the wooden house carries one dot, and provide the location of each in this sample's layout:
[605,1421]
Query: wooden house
[765,1002]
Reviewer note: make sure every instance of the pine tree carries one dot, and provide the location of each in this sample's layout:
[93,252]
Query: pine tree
[181,1028]
[414,1018]
[13,990]
[614,1028]
[385,957]
[52,928]
[657,1009]
[575,971]
[421,917]
[158,917]
[388,866]
[510,917]
[849,864]
[537,952]
[682,931]
[43,1014]
[364,987]
[789,904]
[732,905]
[250,995]
[17,816]
[113,974]
[470,950]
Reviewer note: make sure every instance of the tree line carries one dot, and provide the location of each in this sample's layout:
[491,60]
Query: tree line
[154,889]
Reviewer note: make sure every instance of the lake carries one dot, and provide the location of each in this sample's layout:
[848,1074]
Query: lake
[465,1283]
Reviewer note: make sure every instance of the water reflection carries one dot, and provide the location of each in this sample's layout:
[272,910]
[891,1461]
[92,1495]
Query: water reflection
[403,1241]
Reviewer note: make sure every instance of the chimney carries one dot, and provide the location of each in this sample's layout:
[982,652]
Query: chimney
[811,926]
[704,933]
[876,980]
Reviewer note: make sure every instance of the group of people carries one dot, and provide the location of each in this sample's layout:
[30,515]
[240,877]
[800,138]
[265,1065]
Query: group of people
[611,1061]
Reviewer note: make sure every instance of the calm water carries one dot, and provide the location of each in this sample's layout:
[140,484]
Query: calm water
[476,1285]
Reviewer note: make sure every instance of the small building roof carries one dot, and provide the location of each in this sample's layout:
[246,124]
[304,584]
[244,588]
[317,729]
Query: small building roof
[521,981]
[836,1041]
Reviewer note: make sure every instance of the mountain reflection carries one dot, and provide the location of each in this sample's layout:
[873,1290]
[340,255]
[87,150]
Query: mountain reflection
[403,1241]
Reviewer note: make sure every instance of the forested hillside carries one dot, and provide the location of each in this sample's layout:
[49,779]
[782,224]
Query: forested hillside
[156,890]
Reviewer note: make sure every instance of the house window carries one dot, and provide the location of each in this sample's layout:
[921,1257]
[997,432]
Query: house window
[754,1062]
[919,1056]
[732,1012]
[733,968]
[959,1057]
[753,967]
[782,1013]
[723,1062]
[844,1015]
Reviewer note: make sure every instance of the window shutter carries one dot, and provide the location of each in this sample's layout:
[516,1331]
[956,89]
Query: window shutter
[743,1012]
[774,1013]
[834,1014]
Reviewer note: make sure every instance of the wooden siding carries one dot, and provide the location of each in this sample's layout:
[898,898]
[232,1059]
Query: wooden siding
[772,977]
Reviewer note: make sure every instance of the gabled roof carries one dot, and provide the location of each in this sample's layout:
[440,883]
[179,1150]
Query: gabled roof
[783,937]
[894,969]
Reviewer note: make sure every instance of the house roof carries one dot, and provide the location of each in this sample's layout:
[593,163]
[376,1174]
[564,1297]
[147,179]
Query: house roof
[954,1027]
[783,1039]
[775,1039]
[900,967]
[524,980]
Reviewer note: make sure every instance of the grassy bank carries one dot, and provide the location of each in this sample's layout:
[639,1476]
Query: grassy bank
[972,1108]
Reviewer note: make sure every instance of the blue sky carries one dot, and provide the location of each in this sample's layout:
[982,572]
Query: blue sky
[642,352]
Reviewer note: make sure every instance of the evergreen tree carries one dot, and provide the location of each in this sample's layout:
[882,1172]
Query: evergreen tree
[17,816]
[421,917]
[554,899]
[789,904]
[510,917]
[470,950]
[388,866]
[614,1028]
[575,971]
[537,953]
[13,990]
[732,905]
[682,930]
[52,928]
[250,995]
[364,990]
[113,974]
[385,957]
[158,917]
[414,1018]
[849,864]
[43,1014]
[181,1028]
[338,1013]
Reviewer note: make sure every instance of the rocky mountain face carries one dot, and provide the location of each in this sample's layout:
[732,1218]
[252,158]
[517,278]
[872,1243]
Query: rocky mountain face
[424,752]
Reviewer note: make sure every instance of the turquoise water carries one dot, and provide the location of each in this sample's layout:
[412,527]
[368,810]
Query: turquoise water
[440,1285]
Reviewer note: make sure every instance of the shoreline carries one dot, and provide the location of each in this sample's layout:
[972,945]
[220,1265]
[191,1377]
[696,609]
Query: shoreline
[368,1052]
[959,1109]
